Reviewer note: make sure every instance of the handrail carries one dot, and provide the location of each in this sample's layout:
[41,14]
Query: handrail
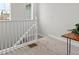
[16,20]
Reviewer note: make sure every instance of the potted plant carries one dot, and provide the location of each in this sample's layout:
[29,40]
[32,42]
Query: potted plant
[76,29]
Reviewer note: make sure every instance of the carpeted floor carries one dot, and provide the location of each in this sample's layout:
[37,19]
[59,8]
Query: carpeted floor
[45,46]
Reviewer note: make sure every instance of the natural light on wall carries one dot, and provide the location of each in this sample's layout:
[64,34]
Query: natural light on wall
[5,11]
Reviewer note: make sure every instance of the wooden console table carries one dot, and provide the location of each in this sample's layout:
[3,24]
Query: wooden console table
[70,36]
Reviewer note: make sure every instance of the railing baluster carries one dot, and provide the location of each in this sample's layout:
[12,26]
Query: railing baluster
[9,39]
[36,33]
[13,37]
[14,26]
[23,32]
[26,27]
[17,33]
[28,32]
[6,41]
[18,29]
[2,39]
[31,34]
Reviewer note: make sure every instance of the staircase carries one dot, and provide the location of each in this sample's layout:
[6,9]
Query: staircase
[15,34]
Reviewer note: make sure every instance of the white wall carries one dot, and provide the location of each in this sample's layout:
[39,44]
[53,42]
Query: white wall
[56,19]
[18,11]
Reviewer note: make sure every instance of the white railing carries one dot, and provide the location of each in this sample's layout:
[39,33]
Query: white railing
[15,33]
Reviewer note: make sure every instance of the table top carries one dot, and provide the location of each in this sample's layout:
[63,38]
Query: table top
[72,36]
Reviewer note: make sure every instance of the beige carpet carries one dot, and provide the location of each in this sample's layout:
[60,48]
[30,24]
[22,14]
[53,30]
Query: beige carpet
[46,46]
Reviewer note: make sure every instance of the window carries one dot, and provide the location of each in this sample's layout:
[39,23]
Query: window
[5,11]
[29,11]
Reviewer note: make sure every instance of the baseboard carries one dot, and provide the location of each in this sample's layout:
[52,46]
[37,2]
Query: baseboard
[55,37]
[42,35]
[75,43]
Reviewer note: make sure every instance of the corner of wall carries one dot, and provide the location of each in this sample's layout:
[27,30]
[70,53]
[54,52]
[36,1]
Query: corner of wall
[75,43]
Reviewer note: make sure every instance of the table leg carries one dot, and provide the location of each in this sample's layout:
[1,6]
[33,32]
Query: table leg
[68,46]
